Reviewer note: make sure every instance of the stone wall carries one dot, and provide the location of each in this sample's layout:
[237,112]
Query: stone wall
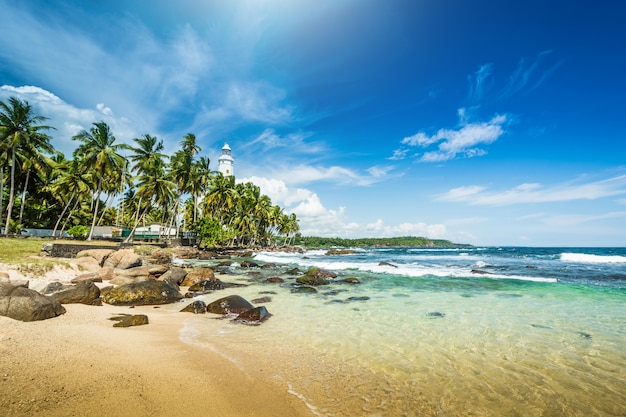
[69,250]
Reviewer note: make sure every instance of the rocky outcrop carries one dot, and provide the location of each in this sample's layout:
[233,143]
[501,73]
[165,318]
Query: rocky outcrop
[316,276]
[149,292]
[122,259]
[99,255]
[89,276]
[23,304]
[197,275]
[85,292]
[175,275]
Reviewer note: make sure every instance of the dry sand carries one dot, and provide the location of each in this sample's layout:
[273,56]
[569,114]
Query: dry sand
[78,364]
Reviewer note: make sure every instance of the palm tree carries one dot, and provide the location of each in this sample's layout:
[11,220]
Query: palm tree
[99,155]
[19,127]
[71,185]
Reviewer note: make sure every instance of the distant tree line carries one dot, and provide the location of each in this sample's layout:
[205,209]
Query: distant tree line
[116,184]
[402,241]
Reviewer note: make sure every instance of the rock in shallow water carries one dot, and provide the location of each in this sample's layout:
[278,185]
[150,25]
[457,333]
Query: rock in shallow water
[254,316]
[197,307]
[233,304]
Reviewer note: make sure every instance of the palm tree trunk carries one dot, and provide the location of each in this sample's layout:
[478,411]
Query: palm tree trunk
[56,226]
[24,196]
[69,216]
[95,211]
[137,220]
[11,193]
[1,193]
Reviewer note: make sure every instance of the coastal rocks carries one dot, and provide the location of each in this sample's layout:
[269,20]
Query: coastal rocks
[175,275]
[23,304]
[83,293]
[304,289]
[262,300]
[197,275]
[6,278]
[207,286]
[129,320]
[98,254]
[351,280]
[149,292]
[383,263]
[122,259]
[249,264]
[89,276]
[316,276]
[161,257]
[274,280]
[233,304]
[254,316]
[197,307]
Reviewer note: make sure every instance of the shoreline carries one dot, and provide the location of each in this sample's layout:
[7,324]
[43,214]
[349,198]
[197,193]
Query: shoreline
[78,364]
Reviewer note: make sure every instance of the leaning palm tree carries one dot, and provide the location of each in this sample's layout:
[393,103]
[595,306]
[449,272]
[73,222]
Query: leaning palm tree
[19,127]
[99,155]
[71,186]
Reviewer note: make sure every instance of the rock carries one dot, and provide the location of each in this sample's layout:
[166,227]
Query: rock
[174,275]
[269,265]
[233,304]
[436,314]
[319,272]
[293,271]
[225,263]
[363,298]
[262,300]
[207,286]
[90,276]
[314,280]
[274,280]
[351,280]
[304,289]
[106,274]
[23,304]
[54,287]
[249,264]
[197,275]
[123,279]
[150,271]
[383,263]
[128,320]
[480,271]
[99,255]
[197,307]
[85,292]
[254,316]
[161,257]
[122,259]
[6,278]
[149,292]
[335,251]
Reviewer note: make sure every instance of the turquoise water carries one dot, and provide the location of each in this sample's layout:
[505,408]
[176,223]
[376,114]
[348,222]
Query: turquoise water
[530,332]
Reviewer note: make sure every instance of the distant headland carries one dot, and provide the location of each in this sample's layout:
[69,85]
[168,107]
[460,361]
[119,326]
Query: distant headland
[368,242]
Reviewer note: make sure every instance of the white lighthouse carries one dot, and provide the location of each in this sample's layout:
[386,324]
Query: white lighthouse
[225,161]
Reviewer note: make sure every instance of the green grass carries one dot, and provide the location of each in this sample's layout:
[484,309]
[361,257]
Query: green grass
[24,253]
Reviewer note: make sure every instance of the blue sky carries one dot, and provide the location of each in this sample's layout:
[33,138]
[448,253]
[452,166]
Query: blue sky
[484,122]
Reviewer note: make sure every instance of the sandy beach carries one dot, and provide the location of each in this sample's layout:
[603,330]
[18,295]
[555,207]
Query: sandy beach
[78,364]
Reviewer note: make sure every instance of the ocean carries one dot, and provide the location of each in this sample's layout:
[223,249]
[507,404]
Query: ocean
[484,331]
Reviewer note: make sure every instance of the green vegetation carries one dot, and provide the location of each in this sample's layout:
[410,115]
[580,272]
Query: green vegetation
[404,241]
[179,191]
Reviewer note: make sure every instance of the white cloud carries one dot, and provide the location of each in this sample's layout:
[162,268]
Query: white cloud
[537,193]
[577,219]
[467,141]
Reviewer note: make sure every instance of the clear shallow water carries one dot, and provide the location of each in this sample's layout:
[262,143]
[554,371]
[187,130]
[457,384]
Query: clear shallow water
[531,332]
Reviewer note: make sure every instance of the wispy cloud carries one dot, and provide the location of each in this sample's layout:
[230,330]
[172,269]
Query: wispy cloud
[479,82]
[529,74]
[467,141]
[537,193]
[577,219]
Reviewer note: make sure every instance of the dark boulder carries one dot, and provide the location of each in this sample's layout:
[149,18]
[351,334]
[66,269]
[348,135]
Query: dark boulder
[303,289]
[85,292]
[24,304]
[233,304]
[122,259]
[314,280]
[149,292]
[175,275]
[336,251]
[249,264]
[351,280]
[293,271]
[274,280]
[54,287]
[89,276]
[196,307]
[269,266]
[383,263]
[128,320]
[262,300]
[322,273]
[254,316]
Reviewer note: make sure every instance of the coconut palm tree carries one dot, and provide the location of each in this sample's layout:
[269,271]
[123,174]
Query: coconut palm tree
[99,153]
[19,127]
[71,185]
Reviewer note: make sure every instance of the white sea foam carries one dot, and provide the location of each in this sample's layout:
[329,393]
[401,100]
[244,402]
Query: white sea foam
[589,258]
